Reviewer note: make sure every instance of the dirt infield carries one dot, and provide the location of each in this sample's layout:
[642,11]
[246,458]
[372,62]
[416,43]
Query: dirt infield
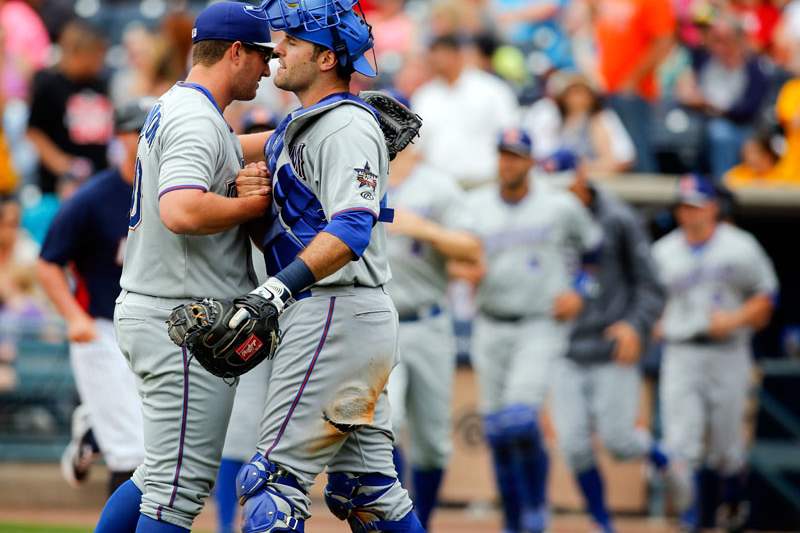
[446,521]
[35,494]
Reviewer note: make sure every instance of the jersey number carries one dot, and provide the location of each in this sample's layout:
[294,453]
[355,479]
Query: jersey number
[136,198]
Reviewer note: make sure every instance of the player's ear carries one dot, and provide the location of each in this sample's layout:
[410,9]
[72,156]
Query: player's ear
[327,60]
[236,52]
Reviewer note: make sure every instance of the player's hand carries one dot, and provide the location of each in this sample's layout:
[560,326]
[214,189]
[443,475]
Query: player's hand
[722,324]
[472,272]
[567,306]
[81,329]
[254,180]
[627,342]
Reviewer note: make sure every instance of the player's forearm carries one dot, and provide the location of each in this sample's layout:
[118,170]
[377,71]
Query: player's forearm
[457,245]
[325,255]
[194,212]
[253,146]
[756,312]
[54,282]
[51,156]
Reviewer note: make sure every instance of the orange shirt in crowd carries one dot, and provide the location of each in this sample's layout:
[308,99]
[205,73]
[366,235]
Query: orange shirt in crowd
[787,170]
[625,29]
[787,109]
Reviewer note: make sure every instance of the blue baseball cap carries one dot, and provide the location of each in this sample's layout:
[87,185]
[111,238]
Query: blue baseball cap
[517,141]
[561,160]
[695,190]
[233,21]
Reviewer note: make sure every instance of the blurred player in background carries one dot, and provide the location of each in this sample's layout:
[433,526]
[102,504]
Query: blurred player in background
[70,122]
[535,237]
[428,230]
[721,288]
[251,393]
[596,387]
[87,238]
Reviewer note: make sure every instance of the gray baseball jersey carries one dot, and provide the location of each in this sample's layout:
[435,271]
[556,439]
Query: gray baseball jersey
[185,144]
[327,159]
[420,388]
[719,275]
[419,278]
[704,382]
[532,248]
[326,401]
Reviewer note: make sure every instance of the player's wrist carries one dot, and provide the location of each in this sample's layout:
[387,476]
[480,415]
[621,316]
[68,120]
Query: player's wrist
[274,291]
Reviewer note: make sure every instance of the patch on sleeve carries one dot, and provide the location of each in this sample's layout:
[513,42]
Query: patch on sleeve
[366,178]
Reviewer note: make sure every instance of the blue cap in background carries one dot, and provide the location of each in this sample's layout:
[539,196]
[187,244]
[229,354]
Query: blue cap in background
[561,160]
[517,141]
[233,21]
[695,190]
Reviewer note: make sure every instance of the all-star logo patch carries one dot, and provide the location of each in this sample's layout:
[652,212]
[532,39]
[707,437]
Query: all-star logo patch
[365,177]
[249,347]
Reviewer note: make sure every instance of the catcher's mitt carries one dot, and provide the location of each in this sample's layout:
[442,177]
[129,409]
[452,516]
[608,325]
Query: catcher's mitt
[399,124]
[227,348]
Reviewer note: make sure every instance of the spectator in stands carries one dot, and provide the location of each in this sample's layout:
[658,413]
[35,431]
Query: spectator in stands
[787,109]
[633,38]
[728,85]
[70,121]
[575,119]
[464,109]
[787,36]
[759,19]
[16,248]
[757,167]
[27,46]
[8,175]
[395,34]
[135,78]
[536,28]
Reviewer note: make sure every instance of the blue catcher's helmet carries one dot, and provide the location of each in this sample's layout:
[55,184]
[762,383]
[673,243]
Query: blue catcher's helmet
[329,23]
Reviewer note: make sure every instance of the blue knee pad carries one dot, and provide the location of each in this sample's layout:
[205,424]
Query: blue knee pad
[346,494]
[519,426]
[265,509]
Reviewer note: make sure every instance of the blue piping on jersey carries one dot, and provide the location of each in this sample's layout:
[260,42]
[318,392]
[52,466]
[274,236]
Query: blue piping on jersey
[178,187]
[207,94]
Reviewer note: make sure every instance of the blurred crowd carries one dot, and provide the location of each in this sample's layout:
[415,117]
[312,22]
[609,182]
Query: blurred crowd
[650,86]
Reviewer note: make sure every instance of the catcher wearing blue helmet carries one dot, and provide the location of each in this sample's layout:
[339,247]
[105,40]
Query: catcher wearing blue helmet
[324,247]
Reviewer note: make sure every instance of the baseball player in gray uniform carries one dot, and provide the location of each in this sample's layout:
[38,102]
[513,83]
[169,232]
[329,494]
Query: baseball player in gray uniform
[325,252]
[184,241]
[596,387]
[534,237]
[720,289]
[428,230]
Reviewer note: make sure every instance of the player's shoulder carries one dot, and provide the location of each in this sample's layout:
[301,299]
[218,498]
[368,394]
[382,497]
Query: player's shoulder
[97,187]
[182,105]
[483,195]
[669,243]
[733,235]
[346,120]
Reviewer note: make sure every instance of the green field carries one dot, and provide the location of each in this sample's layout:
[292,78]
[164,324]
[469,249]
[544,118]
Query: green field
[11,527]
[27,528]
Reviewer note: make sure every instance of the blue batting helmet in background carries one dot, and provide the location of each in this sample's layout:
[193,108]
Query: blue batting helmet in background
[329,23]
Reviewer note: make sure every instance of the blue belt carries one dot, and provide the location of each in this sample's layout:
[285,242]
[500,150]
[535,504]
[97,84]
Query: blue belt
[422,313]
